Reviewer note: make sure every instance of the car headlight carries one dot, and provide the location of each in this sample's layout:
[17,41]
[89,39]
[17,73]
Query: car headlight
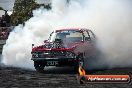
[35,55]
[70,54]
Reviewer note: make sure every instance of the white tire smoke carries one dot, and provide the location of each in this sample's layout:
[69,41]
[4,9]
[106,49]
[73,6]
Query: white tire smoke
[110,20]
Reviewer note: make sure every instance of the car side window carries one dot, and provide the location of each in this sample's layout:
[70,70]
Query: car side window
[87,36]
[92,37]
[50,37]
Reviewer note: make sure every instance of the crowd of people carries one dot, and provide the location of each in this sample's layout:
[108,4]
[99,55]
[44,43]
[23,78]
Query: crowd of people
[4,24]
[5,20]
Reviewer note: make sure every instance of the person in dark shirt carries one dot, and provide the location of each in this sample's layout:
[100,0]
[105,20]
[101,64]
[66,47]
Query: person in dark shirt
[7,19]
[3,22]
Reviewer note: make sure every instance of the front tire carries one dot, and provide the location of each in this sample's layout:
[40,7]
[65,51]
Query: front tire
[76,68]
[39,66]
[80,63]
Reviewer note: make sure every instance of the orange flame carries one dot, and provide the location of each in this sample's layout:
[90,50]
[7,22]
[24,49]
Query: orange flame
[81,71]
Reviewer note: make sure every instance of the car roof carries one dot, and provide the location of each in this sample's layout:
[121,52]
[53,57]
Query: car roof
[67,29]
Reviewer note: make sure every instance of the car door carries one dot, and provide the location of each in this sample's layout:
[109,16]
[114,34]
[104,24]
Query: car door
[89,44]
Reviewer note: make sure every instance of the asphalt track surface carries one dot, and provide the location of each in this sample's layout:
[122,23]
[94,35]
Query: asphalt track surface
[12,77]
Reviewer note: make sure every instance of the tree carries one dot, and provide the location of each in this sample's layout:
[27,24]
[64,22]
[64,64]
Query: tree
[1,8]
[22,11]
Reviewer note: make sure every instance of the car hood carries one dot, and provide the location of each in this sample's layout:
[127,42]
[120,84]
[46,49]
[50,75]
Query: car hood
[48,46]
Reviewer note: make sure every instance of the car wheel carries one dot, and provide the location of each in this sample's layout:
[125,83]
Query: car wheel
[80,63]
[76,68]
[38,66]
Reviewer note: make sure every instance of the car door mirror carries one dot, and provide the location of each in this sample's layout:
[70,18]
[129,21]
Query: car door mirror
[45,41]
[87,38]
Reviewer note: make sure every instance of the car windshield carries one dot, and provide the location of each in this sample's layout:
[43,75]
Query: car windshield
[67,36]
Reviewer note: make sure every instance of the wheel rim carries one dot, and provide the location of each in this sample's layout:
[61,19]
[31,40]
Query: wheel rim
[81,63]
[38,67]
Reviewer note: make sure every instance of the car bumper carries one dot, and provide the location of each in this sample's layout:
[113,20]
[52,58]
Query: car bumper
[57,61]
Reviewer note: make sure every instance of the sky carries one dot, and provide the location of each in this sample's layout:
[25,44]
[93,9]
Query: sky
[8,4]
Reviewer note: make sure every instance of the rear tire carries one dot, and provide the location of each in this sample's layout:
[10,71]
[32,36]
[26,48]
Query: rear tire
[80,63]
[39,66]
[76,68]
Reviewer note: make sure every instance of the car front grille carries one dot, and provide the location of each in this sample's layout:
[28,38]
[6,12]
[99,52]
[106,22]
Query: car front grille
[48,54]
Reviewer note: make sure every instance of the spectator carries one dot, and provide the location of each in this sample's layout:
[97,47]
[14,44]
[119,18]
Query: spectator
[7,19]
[3,22]
[0,21]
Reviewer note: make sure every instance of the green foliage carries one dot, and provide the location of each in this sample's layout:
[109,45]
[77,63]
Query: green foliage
[48,6]
[22,11]
[1,8]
